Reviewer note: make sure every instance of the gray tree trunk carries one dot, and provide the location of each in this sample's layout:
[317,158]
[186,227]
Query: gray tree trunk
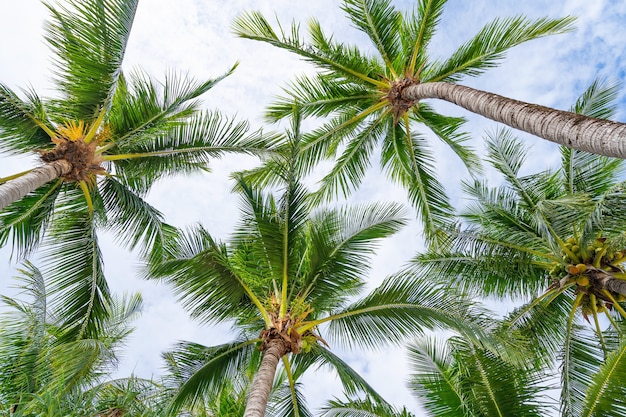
[573,130]
[17,188]
[263,380]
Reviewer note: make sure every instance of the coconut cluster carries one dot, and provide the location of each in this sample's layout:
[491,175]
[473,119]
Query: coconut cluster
[582,265]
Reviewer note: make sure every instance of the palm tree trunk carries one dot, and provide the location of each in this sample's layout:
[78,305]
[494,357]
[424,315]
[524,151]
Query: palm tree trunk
[599,136]
[17,188]
[263,380]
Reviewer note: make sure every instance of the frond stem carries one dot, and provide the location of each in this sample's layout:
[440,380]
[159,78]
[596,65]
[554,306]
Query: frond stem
[14,176]
[614,301]
[85,188]
[292,385]
[352,120]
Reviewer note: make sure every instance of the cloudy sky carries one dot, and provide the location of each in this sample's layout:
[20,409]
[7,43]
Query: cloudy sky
[194,36]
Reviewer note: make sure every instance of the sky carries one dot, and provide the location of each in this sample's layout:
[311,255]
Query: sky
[194,36]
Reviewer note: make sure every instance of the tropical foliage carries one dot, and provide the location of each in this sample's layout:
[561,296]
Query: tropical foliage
[556,237]
[44,373]
[291,279]
[361,95]
[117,134]
[286,271]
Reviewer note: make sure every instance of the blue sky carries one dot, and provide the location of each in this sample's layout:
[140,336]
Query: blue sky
[194,36]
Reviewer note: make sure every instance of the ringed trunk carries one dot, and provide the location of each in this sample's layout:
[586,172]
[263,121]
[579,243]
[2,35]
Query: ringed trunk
[599,136]
[13,190]
[615,285]
[263,380]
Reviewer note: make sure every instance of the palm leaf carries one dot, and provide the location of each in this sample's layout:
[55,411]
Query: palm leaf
[26,220]
[417,31]
[435,380]
[281,403]
[409,163]
[143,108]
[319,95]
[133,219]
[585,172]
[605,395]
[350,168]
[341,242]
[448,130]
[319,356]
[322,52]
[88,40]
[22,123]
[362,408]
[598,100]
[204,370]
[403,306]
[582,358]
[74,265]
[381,22]
[489,45]
[206,282]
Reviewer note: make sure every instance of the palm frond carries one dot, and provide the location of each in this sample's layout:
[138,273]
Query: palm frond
[448,130]
[409,163]
[490,44]
[598,100]
[403,306]
[417,30]
[606,215]
[26,220]
[605,395]
[319,356]
[24,338]
[507,154]
[585,172]
[362,408]
[341,243]
[88,40]
[23,123]
[501,214]
[351,166]
[582,358]
[435,380]
[477,264]
[134,220]
[320,95]
[322,52]
[74,265]
[143,108]
[497,387]
[381,22]
[281,403]
[201,371]
[542,323]
[201,274]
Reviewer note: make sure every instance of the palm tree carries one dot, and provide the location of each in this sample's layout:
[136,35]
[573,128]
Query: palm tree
[559,234]
[104,139]
[367,97]
[286,271]
[42,373]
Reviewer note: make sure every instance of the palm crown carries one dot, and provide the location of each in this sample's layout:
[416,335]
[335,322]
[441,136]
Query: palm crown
[288,270]
[113,136]
[556,233]
[362,94]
